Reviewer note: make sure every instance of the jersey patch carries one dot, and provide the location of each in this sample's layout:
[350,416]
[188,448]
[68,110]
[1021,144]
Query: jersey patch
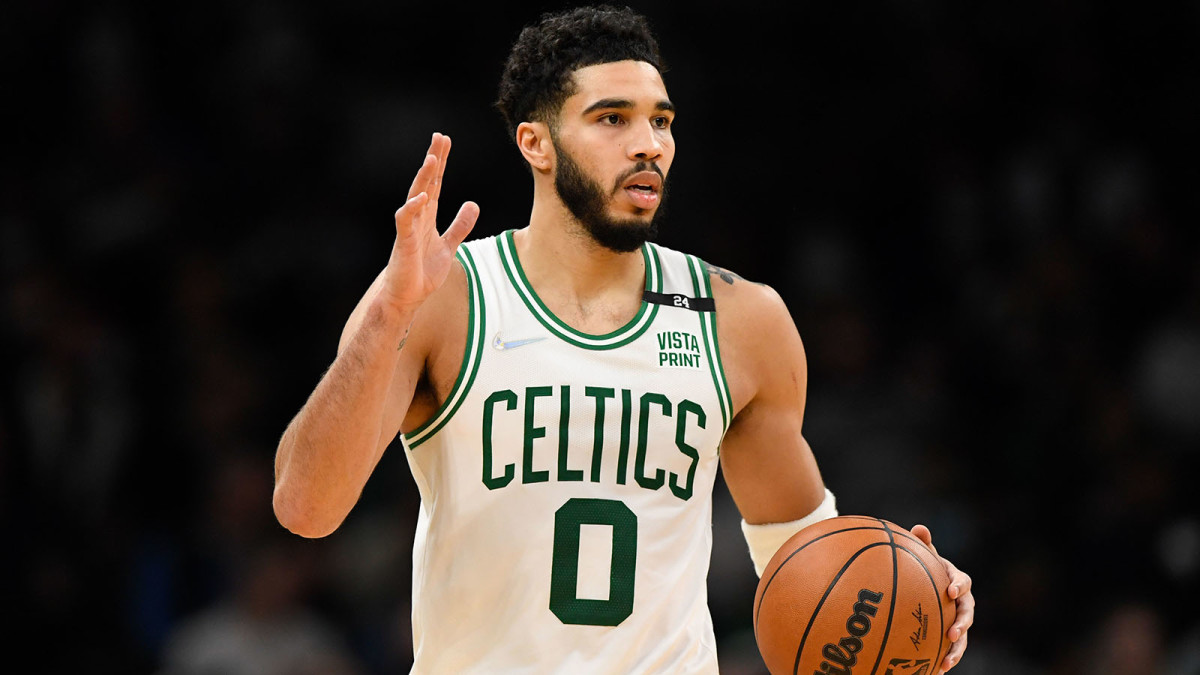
[679,349]
[680,300]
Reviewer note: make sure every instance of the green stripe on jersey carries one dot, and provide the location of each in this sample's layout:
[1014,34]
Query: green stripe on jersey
[708,328]
[472,354]
[618,338]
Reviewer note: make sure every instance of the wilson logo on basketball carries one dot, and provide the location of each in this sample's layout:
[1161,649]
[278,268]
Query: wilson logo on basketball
[841,657]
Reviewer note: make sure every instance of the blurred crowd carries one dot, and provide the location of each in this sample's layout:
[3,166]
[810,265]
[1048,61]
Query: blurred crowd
[982,217]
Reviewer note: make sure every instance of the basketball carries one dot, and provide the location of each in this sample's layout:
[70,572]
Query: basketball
[853,594]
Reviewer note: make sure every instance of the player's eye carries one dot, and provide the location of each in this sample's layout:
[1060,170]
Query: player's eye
[662,122]
[611,119]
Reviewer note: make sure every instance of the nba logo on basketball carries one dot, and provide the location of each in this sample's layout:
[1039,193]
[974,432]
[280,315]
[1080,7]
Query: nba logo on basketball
[908,667]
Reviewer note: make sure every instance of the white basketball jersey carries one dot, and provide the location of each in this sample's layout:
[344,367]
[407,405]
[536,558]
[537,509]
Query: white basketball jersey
[566,482]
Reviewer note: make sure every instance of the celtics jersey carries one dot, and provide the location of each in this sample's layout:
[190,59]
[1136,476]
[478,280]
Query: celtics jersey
[566,482]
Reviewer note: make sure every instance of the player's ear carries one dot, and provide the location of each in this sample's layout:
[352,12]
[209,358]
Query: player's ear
[533,139]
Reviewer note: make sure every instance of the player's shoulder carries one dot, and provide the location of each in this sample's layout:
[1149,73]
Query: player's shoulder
[759,343]
[471,256]
[747,301]
[732,292]
[454,293]
[473,248]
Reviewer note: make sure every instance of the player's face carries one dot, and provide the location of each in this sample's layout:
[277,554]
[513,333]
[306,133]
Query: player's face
[614,149]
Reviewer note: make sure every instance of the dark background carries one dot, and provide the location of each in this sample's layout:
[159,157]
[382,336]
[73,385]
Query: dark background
[982,216]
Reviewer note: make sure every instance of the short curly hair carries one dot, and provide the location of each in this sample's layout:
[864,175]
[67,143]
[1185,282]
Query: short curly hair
[537,76]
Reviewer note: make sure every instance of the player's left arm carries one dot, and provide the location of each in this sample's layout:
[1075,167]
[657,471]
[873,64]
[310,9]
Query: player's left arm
[767,464]
[769,468]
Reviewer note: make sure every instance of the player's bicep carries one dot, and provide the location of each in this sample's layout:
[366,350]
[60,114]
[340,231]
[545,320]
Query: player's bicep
[768,466]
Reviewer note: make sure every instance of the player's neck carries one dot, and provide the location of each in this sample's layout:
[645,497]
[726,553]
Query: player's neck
[574,275]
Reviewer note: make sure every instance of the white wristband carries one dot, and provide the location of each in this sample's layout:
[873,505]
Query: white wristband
[765,539]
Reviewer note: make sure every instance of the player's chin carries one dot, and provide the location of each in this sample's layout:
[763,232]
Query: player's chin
[638,216]
[643,225]
[631,217]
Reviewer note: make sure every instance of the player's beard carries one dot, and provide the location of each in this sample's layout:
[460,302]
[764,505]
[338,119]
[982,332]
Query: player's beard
[588,202]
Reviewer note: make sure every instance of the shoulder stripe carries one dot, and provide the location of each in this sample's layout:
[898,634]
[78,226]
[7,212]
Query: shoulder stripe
[472,354]
[708,328]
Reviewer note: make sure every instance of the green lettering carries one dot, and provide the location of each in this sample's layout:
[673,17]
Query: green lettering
[564,424]
[623,452]
[564,571]
[528,475]
[493,482]
[686,407]
[599,393]
[662,356]
[643,438]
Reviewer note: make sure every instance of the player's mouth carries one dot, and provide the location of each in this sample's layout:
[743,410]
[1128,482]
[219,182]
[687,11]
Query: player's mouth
[643,189]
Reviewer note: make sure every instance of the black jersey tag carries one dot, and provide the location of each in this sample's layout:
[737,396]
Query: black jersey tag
[678,300]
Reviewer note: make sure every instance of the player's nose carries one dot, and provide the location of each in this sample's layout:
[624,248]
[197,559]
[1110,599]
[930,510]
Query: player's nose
[646,144]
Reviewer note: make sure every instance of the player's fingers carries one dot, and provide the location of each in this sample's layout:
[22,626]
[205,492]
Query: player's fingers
[964,617]
[406,214]
[921,532]
[960,581]
[964,607]
[424,174]
[461,226]
[443,151]
[955,654]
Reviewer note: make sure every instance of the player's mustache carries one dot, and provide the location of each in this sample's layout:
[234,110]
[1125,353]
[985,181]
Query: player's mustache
[638,168]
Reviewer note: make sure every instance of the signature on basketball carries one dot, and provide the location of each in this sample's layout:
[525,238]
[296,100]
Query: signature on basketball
[922,631]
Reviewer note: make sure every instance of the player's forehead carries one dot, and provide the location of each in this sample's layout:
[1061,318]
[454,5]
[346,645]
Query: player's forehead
[636,82]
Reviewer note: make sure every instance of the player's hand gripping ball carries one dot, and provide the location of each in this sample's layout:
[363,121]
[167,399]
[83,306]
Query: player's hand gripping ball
[853,594]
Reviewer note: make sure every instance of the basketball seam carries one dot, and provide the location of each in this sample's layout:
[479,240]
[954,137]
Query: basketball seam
[790,555]
[933,582]
[887,631]
[829,589]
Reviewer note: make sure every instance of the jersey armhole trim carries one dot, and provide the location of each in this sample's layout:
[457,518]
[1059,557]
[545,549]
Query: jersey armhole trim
[472,355]
[702,286]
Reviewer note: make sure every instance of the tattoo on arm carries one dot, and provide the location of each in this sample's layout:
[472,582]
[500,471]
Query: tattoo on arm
[725,274]
[404,339]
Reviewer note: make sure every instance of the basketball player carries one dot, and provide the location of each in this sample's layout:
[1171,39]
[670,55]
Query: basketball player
[565,391]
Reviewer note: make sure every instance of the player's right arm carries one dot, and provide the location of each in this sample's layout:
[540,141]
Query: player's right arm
[332,445]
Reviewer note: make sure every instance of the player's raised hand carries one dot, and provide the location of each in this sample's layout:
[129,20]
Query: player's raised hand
[421,257]
[964,601]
